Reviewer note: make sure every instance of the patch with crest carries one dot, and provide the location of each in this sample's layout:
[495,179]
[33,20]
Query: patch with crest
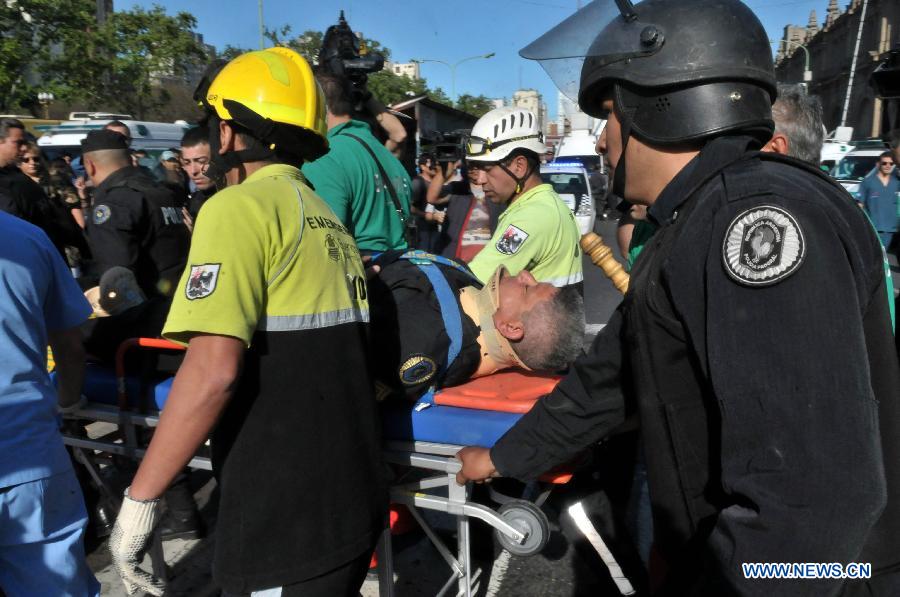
[762,246]
[512,240]
[417,369]
[202,281]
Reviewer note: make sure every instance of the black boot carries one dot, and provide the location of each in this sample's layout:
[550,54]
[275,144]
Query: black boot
[182,525]
[181,520]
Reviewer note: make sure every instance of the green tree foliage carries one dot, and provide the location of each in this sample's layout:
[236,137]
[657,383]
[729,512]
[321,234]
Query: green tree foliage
[58,46]
[307,44]
[438,95]
[145,48]
[31,33]
[230,52]
[477,105]
[389,88]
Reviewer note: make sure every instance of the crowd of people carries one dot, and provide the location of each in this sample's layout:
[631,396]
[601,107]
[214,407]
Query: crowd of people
[309,276]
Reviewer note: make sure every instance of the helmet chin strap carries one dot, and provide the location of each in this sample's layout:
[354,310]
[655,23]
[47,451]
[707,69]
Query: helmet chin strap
[520,182]
[220,164]
[627,117]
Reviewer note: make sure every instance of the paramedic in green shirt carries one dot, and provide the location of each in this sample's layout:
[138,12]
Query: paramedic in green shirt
[273,310]
[350,181]
[537,231]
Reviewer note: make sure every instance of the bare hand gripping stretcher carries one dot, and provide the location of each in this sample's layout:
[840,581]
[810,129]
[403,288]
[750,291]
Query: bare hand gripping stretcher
[420,441]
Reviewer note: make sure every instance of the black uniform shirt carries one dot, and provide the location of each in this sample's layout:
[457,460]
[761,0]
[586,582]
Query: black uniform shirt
[757,337]
[22,197]
[136,223]
[410,342]
[196,200]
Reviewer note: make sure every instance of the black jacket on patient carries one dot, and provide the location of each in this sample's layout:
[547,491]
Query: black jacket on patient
[409,340]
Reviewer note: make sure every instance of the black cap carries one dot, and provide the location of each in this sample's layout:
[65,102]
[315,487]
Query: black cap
[103,139]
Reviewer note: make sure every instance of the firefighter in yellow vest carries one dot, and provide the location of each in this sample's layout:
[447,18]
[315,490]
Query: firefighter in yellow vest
[273,310]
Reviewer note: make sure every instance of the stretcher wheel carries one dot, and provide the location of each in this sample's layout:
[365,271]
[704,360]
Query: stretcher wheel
[529,519]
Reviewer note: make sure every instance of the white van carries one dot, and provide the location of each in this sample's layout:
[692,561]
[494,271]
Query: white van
[151,136]
[580,146]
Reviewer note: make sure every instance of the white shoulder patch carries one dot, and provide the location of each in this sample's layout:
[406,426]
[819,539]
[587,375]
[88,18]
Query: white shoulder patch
[762,246]
[101,214]
[202,281]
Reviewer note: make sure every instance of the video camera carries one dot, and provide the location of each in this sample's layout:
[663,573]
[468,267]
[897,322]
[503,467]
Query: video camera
[342,56]
[446,146]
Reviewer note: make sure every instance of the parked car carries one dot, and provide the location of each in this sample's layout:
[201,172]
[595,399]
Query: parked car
[570,181]
[855,165]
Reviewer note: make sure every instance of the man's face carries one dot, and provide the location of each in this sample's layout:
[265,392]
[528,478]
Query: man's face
[194,160]
[12,147]
[498,186]
[885,164]
[609,143]
[520,294]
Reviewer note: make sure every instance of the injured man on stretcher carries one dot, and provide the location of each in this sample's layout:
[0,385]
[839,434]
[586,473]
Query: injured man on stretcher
[435,325]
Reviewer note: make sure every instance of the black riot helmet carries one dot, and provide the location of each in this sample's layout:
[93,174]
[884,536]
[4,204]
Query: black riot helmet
[678,71]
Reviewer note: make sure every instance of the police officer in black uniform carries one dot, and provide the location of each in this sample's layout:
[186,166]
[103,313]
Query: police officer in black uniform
[755,331]
[135,222]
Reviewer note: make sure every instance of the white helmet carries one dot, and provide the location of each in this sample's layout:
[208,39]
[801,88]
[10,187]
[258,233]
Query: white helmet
[501,131]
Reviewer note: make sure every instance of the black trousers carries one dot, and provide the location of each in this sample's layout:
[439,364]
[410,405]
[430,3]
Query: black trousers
[343,581]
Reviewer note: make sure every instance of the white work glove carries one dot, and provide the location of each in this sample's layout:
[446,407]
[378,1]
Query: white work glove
[129,541]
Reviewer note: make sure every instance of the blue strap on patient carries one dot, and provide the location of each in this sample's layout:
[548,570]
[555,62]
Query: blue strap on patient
[447,301]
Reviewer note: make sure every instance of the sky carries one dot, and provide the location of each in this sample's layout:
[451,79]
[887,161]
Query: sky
[448,31]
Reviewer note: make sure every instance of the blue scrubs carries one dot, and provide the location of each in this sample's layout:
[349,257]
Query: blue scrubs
[42,513]
[880,201]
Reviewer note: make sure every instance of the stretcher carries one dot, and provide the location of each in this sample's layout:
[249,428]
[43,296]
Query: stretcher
[420,443]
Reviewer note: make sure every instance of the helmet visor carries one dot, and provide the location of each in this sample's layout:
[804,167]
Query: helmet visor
[598,30]
[478,146]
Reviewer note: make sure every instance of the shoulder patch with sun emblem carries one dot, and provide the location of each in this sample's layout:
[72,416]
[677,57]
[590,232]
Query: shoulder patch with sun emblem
[417,369]
[762,246]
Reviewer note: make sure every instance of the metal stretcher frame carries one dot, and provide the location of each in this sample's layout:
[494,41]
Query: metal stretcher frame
[430,457]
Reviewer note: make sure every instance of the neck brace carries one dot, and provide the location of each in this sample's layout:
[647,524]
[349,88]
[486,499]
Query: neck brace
[485,302]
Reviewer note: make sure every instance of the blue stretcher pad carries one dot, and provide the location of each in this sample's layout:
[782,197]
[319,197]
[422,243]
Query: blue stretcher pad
[100,386]
[400,422]
[445,424]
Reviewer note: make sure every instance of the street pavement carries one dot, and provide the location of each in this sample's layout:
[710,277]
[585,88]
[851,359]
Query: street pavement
[568,566]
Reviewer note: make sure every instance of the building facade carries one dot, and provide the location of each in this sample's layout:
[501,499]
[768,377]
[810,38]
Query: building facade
[531,100]
[846,100]
[410,70]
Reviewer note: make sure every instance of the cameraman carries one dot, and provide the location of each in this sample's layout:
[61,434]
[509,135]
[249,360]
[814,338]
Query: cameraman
[426,225]
[366,186]
[342,55]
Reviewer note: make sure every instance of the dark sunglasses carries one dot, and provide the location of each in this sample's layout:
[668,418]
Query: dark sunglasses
[28,160]
[887,163]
